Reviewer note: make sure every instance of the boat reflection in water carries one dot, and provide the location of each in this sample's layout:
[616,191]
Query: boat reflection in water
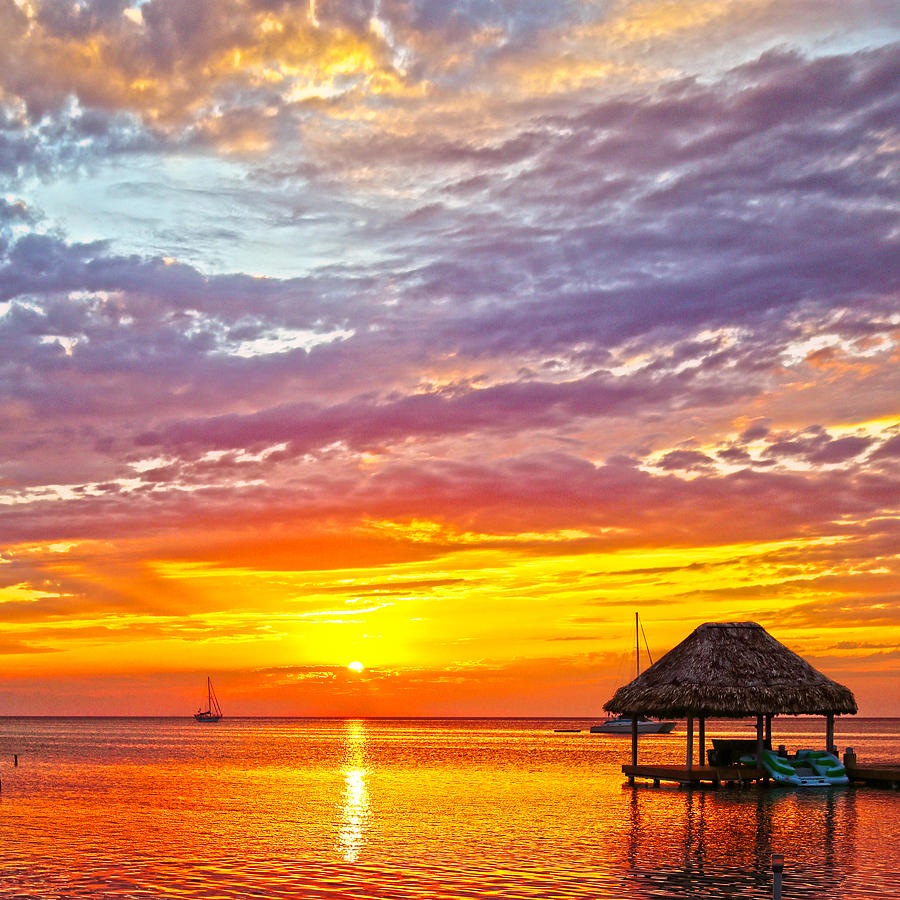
[719,844]
[353,815]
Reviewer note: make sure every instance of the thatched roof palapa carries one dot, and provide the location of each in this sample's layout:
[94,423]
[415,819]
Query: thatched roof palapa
[731,669]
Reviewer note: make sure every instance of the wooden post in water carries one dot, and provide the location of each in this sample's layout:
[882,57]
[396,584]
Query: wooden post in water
[690,743]
[777,870]
[829,732]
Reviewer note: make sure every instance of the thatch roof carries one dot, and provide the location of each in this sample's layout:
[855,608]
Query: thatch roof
[731,669]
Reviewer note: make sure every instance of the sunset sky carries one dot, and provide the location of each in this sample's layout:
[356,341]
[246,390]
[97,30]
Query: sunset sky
[442,336]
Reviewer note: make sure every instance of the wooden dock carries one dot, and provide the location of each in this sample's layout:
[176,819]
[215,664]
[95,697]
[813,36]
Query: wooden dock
[881,777]
[697,775]
[888,777]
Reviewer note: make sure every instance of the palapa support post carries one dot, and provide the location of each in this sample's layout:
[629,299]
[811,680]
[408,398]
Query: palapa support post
[769,730]
[634,745]
[690,743]
[760,741]
[701,739]
[829,732]
[634,740]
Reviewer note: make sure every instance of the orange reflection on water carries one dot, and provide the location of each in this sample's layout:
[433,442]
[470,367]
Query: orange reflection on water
[705,841]
[353,814]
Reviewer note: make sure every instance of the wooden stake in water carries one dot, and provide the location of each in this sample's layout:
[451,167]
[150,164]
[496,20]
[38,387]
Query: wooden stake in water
[777,869]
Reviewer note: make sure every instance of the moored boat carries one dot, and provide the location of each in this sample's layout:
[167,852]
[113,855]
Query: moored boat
[807,768]
[213,711]
[622,725]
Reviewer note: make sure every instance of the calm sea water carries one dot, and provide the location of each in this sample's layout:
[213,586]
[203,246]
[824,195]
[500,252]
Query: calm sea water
[167,808]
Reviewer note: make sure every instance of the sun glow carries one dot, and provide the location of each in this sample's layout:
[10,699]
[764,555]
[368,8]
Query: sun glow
[356,666]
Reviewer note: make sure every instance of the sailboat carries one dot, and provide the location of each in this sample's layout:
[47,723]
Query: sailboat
[623,724]
[213,711]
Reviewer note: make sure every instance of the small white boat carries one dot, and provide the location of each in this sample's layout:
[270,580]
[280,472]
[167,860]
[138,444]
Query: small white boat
[622,725]
[807,768]
[213,711]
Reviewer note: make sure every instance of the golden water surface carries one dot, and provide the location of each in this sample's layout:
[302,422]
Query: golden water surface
[168,808]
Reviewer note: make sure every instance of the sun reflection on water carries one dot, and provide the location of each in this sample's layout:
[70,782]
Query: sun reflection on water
[353,815]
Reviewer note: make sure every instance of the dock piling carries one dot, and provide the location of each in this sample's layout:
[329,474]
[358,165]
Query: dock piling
[690,743]
[701,739]
[777,869]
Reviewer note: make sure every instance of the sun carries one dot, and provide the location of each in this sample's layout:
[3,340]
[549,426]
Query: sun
[356,666]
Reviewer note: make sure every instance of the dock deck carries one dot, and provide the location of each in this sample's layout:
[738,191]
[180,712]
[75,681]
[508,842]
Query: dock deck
[882,777]
[714,775]
[888,777]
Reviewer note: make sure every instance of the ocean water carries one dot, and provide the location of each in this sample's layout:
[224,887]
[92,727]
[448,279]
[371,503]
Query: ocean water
[168,808]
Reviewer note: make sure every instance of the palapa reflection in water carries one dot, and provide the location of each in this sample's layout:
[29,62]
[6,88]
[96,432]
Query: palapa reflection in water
[353,814]
[719,844]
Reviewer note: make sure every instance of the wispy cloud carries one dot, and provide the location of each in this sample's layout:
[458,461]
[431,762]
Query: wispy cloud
[491,318]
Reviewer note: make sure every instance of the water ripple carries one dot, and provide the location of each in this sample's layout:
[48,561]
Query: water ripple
[412,810]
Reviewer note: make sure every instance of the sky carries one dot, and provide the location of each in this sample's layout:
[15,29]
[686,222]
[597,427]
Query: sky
[442,336]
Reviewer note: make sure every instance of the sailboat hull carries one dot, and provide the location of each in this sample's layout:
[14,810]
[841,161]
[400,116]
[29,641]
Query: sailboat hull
[623,726]
[205,717]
